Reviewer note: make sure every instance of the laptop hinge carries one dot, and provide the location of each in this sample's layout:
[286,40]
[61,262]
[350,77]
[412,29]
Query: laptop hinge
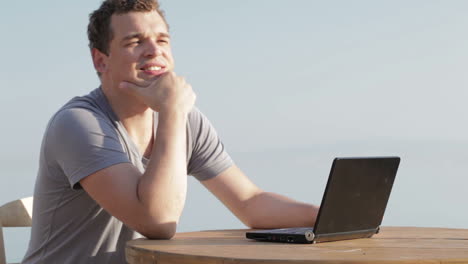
[346,235]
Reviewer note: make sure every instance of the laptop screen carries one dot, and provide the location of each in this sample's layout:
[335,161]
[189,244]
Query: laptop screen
[356,195]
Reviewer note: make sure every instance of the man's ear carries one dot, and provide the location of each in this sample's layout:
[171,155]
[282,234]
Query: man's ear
[99,60]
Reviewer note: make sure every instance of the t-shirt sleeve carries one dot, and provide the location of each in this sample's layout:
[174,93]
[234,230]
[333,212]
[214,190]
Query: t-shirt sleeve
[82,142]
[209,157]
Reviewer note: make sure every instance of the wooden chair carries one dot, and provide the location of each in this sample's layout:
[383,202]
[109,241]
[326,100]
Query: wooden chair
[14,214]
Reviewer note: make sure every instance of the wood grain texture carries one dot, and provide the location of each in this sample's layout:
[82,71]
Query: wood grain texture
[391,245]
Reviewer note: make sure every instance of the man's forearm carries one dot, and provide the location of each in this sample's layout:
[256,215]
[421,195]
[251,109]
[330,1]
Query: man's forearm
[163,186]
[271,210]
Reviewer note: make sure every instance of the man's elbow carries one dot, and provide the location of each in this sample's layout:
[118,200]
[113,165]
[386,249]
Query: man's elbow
[160,231]
[251,215]
[253,224]
[252,221]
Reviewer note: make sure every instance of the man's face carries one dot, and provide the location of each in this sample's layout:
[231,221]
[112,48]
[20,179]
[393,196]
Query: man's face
[140,49]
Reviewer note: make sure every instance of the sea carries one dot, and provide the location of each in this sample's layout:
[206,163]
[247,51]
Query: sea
[429,190]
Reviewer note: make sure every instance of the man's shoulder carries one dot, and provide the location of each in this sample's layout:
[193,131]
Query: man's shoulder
[90,106]
[94,102]
[81,114]
[76,137]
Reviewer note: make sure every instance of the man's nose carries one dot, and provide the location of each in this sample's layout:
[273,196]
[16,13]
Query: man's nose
[153,49]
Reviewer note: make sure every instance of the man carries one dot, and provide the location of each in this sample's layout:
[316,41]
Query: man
[114,163]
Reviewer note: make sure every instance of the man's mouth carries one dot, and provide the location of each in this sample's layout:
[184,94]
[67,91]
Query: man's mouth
[152,68]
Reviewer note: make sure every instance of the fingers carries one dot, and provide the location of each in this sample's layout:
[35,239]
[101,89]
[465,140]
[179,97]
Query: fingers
[168,91]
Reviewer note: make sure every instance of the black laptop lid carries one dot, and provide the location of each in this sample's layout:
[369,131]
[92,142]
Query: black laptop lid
[356,195]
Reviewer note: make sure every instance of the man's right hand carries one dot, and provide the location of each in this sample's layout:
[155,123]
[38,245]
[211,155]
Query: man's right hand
[168,93]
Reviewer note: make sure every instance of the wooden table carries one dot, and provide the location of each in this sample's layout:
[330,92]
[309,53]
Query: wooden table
[391,245]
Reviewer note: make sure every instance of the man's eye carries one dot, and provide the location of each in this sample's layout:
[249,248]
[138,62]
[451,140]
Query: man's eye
[164,41]
[133,43]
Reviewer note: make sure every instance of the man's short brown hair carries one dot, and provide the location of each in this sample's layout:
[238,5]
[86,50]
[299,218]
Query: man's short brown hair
[99,28]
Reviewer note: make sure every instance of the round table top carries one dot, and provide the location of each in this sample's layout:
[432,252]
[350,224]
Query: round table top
[391,245]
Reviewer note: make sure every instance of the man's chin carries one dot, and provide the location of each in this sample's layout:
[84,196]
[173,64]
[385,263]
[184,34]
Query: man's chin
[147,80]
[140,82]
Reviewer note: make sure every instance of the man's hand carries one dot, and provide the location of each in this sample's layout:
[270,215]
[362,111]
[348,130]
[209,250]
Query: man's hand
[166,94]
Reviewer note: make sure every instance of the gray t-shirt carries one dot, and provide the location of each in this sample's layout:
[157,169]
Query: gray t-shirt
[83,137]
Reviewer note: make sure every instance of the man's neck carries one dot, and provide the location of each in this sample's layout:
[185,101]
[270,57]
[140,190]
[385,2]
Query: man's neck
[136,117]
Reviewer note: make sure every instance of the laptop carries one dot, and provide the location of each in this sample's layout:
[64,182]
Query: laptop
[353,203]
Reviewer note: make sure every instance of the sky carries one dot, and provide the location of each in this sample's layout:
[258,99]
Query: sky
[288,85]
[334,70]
